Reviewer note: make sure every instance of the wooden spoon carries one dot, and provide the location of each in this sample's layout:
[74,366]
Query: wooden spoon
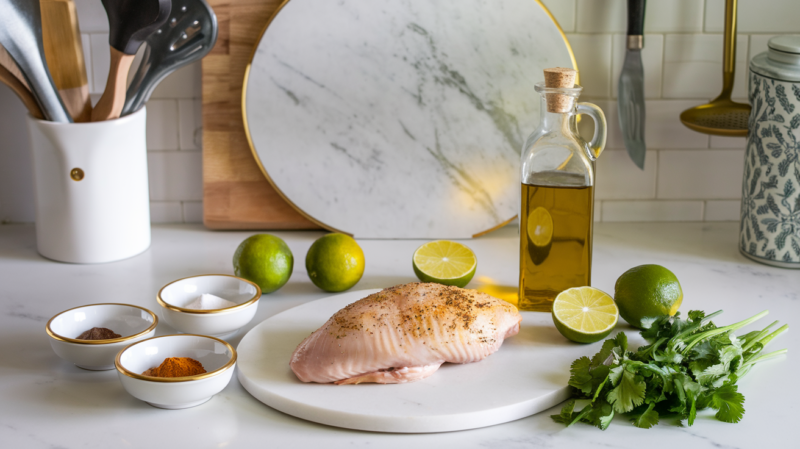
[130,23]
[22,91]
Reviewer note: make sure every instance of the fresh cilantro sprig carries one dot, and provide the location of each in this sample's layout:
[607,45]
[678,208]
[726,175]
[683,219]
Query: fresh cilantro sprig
[688,365]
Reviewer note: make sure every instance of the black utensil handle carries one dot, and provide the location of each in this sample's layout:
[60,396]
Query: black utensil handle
[636,17]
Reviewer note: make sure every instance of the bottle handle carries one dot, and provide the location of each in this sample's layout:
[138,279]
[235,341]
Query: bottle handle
[598,142]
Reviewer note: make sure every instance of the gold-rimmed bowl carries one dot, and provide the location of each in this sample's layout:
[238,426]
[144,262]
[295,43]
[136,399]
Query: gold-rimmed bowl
[217,357]
[175,296]
[132,323]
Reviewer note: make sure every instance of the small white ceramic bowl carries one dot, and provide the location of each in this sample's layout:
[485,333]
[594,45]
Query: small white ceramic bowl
[175,296]
[133,323]
[217,357]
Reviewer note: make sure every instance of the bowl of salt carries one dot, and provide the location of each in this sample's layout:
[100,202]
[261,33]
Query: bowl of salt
[217,305]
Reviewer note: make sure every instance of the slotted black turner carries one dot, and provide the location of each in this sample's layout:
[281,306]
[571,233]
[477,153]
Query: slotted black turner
[188,35]
[130,23]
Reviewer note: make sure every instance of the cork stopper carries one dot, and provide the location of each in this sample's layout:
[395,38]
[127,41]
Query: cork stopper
[559,77]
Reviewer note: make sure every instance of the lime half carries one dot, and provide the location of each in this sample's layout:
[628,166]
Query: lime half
[585,314]
[445,262]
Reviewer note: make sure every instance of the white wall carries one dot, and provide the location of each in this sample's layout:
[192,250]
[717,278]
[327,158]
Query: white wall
[687,177]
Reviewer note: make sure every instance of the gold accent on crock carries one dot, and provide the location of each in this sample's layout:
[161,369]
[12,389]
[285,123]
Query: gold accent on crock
[76,174]
[129,373]
[58,337]
[275,186]
[169,306]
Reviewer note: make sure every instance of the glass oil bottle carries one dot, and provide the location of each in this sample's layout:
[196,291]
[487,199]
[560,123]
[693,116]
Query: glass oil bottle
[557,211]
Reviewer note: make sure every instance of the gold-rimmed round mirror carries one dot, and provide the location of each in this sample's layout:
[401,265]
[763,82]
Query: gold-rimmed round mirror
[388,119]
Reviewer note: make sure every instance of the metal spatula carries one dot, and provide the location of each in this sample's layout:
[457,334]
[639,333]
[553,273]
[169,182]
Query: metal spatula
[21,35]
[188,35]
[722,116]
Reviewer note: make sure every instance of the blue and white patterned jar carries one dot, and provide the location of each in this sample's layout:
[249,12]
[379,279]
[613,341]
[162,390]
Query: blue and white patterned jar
[770,216]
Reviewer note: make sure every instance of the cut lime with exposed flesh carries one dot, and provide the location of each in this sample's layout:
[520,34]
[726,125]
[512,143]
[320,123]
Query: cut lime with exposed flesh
[445,262]
[585,314]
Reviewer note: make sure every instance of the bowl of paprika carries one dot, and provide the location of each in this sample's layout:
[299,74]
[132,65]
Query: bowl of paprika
[176,371]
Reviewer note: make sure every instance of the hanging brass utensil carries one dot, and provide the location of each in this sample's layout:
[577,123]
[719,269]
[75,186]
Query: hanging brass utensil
[722,116]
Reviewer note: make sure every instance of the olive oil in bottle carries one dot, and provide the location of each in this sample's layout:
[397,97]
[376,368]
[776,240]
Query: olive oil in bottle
[555,243]
[557,177]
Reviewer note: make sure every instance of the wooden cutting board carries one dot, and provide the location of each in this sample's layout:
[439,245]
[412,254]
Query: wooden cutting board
[236,195]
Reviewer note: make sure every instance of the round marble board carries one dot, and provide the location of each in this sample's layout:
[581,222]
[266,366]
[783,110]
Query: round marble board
[388,119]
[527,375]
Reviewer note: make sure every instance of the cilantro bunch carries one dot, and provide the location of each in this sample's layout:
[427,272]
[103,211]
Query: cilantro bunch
[688,365]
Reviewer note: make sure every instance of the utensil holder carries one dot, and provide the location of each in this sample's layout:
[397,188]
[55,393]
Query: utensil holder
[91,189]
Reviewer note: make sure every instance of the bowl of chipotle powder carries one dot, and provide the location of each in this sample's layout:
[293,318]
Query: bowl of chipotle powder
[176,371]
[91,336]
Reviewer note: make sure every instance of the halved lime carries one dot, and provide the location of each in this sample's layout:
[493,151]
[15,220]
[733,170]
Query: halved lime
[585,314]
[445,262]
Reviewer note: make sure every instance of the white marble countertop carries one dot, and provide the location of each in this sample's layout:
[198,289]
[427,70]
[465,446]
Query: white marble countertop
[46,402]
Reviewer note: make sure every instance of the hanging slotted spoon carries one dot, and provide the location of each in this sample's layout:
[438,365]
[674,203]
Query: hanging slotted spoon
[188,35]
[722,116]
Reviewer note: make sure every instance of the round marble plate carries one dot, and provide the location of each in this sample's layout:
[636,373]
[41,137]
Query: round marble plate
[388,119]
[527,375]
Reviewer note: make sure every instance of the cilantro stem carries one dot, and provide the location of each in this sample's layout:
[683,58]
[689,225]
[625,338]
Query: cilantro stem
[758,337]
[700,324]
[695,339]
[771,336]
[745,368]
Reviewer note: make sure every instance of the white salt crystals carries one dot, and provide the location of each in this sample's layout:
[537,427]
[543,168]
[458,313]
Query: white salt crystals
[208,301]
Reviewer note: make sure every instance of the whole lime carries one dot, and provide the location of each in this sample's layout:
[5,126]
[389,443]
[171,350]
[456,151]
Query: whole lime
[647,291]
[265,260]
[335,262]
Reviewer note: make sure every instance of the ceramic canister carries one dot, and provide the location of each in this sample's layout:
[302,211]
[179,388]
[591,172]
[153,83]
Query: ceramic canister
[770,215]
[91,189]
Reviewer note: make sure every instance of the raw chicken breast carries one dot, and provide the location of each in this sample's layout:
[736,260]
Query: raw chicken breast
[403,334]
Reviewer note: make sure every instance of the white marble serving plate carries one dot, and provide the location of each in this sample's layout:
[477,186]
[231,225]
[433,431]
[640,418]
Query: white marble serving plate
[388,119]
[527,375]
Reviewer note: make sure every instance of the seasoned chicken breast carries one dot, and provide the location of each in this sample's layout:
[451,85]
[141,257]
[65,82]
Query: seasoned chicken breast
[403,334]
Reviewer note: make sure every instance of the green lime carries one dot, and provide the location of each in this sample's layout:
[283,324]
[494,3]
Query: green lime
[265,260]
[445,262]
[335,262]
[584,314]
[647,291]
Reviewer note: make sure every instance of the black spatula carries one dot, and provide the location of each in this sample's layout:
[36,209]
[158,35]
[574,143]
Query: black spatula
[130,23]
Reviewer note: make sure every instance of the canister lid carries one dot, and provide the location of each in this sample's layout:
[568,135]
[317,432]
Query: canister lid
[786,44]
[781,62]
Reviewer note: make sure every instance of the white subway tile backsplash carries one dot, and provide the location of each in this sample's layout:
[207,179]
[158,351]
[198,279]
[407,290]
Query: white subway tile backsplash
[162,125]
[175,175]
[166,212]
[193,211]
[663,128]
[652,210]
[671,16]
[728,143]
[183,83]
[693,66]
[602,16]
[618,178]
[598,211]
[101,58]
[564,12]
[652,57]
[92,16]
[723,210]
[191,124]
[593,54]
[700,174]
[755,16]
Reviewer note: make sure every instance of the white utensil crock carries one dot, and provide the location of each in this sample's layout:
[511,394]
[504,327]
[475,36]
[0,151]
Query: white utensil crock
[90,182]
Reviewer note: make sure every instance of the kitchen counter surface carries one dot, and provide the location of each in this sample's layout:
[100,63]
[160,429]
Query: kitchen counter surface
[49,403]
